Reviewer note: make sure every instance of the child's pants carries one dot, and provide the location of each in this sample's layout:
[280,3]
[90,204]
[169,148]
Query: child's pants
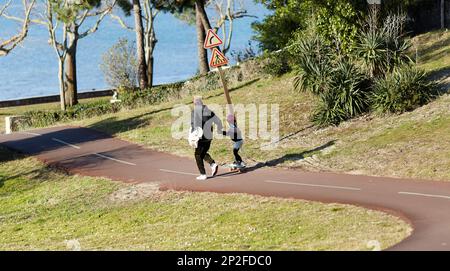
[236,146]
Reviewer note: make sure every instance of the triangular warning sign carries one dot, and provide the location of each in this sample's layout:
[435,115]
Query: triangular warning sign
[217,59]
[212,40]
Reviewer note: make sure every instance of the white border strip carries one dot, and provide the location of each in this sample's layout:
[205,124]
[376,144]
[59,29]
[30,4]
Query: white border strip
[65,143]
[114,159]
[317,185]
[29,133]
[424,195]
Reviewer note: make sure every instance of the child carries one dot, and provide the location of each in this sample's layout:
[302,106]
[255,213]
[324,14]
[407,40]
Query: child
[236,136]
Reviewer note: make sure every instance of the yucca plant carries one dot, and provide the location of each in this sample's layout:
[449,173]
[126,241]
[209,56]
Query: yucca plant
[346,95]
[313,62]
[372,52]
[382,49]
[339,84]
[327,113]
[404,89]
[397,53]
[351,88]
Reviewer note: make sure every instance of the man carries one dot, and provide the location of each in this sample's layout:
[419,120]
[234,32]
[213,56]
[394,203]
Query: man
[202,117]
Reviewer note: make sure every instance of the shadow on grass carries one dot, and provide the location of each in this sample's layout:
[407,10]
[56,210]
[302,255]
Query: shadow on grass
[42,173]
[248,83]
[290,135]
[442,76]
[112,126]
[427,53]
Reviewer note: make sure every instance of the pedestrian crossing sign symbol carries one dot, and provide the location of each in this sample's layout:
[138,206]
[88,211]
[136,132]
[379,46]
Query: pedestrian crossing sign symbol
[212,40]
[217,59]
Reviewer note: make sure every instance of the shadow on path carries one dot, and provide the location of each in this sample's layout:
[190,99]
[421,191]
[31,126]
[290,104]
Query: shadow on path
[290,157]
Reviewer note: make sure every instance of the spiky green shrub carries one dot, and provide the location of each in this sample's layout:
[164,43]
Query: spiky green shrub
[380,49]
[404,89]
[338,83]
[372,52]
[345,96]
[313,61]
[344,82]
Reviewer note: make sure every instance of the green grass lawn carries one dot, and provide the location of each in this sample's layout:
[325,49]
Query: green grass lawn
[433,50]
[43,209]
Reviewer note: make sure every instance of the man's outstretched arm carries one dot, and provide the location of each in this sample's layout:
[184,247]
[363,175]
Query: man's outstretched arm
[218,123]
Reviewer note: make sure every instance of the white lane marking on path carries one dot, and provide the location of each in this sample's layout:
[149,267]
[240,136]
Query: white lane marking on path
[188,173]
[317,185]
[424,195]
[29,133]
[66,143]
[114,159]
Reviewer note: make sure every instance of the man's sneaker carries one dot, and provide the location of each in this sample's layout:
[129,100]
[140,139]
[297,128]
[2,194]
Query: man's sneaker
[201,178]
[214,168]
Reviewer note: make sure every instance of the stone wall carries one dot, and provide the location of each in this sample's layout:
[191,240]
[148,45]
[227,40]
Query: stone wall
[12,123]
[53,98]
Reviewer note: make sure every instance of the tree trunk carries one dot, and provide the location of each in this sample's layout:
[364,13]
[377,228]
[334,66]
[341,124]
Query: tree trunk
[140,46]
[71,69]
[202,53]
[442,14]
[200,4]
[71,79]
[62,85]
[150,43]
[150,70]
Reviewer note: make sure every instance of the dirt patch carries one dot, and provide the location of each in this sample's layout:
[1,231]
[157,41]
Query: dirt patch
[136,192]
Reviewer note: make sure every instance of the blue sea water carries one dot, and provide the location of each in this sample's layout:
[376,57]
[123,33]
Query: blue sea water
[31,69]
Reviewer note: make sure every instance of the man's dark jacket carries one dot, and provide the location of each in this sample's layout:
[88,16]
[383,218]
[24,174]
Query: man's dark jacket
[203,117]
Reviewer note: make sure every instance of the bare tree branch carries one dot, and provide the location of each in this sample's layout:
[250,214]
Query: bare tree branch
[82,18]
[102,15]
[227,43]
[8,45]
[3,8]
[227,13]
[121,22]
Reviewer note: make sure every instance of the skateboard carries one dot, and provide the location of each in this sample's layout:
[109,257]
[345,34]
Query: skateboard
[235,168]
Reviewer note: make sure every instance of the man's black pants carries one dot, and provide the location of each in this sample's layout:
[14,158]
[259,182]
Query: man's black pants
[201,153]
